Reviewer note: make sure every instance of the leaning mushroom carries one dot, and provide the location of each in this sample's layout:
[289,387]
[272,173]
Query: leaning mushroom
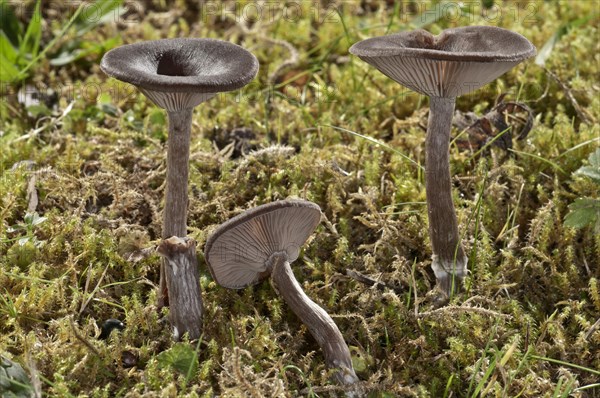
[262,242]
[443,67]
[177,75]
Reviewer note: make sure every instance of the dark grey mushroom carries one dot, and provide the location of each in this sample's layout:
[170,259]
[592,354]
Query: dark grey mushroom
[177,75]
[262,242]
[108,326]
[443,67]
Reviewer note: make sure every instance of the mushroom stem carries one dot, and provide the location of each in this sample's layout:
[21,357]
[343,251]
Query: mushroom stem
[178,155]
[449,262]
[318,322]
[179,259]
[176,197]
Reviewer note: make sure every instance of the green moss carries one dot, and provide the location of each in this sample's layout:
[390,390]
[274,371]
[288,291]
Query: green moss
[99,176]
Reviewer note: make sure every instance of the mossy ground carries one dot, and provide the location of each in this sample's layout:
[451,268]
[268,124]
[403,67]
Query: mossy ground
[532,294]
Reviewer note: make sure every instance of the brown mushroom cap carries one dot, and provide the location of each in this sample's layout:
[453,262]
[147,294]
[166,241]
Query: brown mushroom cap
[457,61]
[181,73]
[238,252]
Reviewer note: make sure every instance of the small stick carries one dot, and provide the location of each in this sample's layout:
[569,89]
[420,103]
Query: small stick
[414,288]
[582,115]
[32,196]
[35,376]
[592,329]
[371,282]
[82,339]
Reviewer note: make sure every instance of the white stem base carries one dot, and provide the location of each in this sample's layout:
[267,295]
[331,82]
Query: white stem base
[449,274]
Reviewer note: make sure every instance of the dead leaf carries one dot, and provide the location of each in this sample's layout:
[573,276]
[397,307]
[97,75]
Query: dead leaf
[497,127]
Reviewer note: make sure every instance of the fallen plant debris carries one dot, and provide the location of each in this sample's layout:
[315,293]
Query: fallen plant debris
[236,142]
[498,127]
[54,122]
[372,282]
[90,253]
[583,114]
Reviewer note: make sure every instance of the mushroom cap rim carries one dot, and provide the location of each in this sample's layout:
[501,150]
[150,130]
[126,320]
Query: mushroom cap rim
[363,48]
[113,65]
[244,217]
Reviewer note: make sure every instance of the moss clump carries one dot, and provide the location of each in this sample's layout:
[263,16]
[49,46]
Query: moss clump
[528,314]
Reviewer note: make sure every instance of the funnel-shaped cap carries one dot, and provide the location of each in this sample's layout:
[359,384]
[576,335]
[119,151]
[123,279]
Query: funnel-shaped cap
[238,252]
[181,73]
[453,63]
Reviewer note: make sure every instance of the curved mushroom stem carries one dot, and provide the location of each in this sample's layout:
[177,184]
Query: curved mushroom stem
[449,261]
[176,196]
[318,322]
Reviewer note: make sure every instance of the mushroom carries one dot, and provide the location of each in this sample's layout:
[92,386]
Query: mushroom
[263,242]
[455,62]
[177,75]
[108,326]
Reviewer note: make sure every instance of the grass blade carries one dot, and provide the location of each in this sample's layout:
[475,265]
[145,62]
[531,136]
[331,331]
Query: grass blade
[563,363]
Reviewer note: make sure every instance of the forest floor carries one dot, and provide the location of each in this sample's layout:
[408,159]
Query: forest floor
[82,167]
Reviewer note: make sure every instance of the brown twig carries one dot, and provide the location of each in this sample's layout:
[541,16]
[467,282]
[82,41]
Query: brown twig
[580,112]
[82,339]
[372,282]
[414,289]
[35,376]
[592,329]
[32,196]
